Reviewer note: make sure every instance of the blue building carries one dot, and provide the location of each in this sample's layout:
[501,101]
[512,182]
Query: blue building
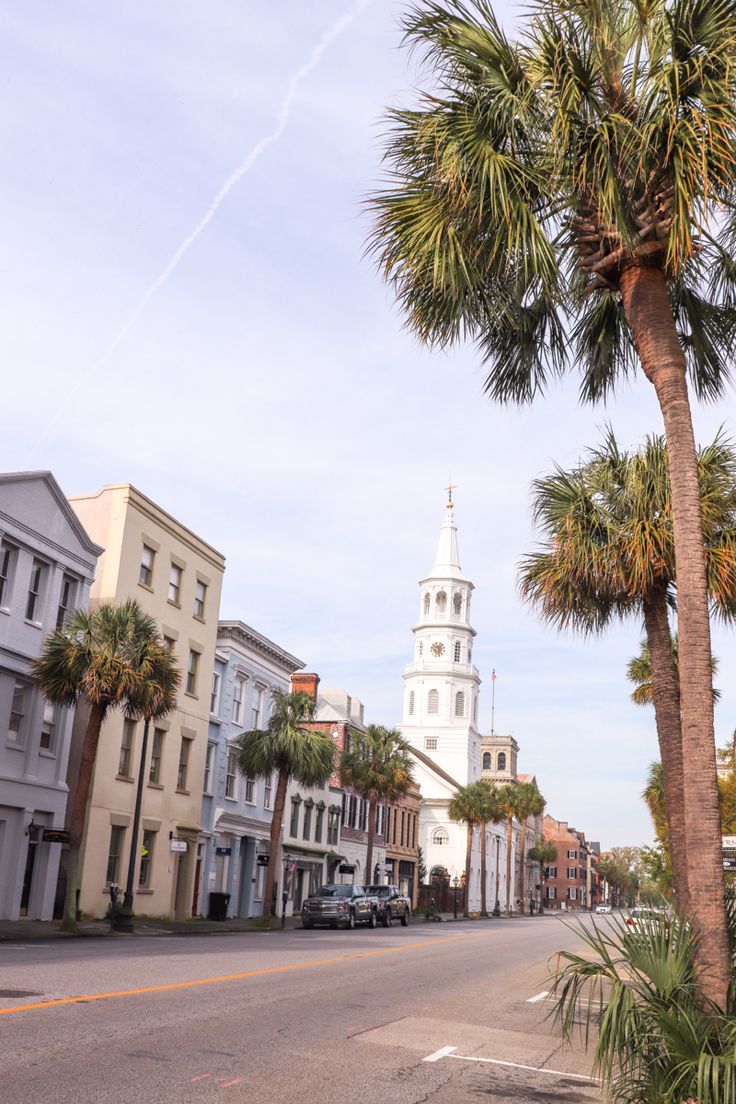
[47,563]
[237,811]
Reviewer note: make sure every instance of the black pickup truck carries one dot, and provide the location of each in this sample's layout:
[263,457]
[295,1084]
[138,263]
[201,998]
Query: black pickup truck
[340,906]
[392,904]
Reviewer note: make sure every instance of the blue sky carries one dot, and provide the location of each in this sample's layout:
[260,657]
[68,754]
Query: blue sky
[268,395]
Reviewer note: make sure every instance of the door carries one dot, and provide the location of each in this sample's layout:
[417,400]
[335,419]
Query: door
[25,896]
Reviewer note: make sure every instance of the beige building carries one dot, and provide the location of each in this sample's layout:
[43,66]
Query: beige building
[176,577]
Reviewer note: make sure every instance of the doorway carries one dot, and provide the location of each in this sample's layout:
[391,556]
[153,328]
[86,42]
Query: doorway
[25,896]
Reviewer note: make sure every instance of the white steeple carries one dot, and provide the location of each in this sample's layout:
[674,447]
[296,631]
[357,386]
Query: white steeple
[441,684]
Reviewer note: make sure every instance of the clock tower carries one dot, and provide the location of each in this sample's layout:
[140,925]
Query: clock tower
[440,711]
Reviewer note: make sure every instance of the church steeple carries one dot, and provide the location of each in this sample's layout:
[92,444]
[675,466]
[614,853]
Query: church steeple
[447,559]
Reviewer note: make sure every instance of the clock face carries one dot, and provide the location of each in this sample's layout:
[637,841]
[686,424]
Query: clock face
[437,649]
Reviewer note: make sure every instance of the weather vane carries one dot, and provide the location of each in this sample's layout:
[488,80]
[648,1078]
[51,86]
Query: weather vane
[452,486]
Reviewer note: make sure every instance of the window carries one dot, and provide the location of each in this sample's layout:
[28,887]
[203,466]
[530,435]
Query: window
[307,825]
[411,702]
[403,821]
[413,830]
[183,769]
[440,604]
[114,852]
[426,603]
[572,893]
[572,854]
[267,790]
[34,590]
[170,643]
[457,604]
[192,671]
[66,600]
[551,872]
[333,826]
[126,748]
[502,760]
[238,690]
[200,595]
[294,823]
[7,560]
[250,791]
[175,574]
[257,707]
[572,873]
[433,701]
[460,704]
[16,725]
[208,765]
[430,743]
[486,760]
[231,774]
[551,893]
[470,653]
[441,837]
[48,727]
[157,748]
[145,575]
[380,811]
[215,694]
[475,709]
[319,821]
[144,874]
[457,652]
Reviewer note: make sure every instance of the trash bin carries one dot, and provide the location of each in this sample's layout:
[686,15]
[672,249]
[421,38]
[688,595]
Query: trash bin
[218,906]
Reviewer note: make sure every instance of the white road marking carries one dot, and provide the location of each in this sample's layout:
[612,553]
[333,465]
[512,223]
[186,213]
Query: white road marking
[539,997]
[25,947]
[444,1052]
[448,1052]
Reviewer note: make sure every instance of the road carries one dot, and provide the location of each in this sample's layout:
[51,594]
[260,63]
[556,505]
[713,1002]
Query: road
[286,1017]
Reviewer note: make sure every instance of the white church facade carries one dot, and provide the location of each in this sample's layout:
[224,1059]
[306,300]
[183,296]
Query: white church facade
[440,721]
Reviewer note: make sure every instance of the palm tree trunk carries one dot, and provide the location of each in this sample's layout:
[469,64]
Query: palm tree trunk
[372,813]
[649,314]
[497,903]
[276,825]
[666,700]
[468,858]
[521,887]
[509,839]
[483,873]
[78,813]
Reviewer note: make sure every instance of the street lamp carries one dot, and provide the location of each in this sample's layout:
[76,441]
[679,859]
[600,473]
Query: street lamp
[455,883]
[497,906]
[124,919]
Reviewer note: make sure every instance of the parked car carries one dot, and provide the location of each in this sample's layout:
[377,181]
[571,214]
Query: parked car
[340,906]
[646,920]
[603,908]
[392,904]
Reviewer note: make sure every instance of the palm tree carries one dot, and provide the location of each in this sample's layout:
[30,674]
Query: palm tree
[379,766]
[468,806]
[531,803]
[609,552]
[544,852]
[639,672]
[290,748]
[112,658]
[552,198]
[511,802]
[490,812]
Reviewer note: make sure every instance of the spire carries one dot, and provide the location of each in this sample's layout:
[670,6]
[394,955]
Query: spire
[447,559]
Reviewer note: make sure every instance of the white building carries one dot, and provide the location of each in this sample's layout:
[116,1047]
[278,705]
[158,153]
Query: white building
[440,719]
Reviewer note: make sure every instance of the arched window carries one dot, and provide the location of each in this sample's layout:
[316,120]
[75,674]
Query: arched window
[411,702]
[426,603]
[458,651]
[441,837]
[433,701]
[440,603]
[457,603]
[486,760]
[460,704]
[502,760]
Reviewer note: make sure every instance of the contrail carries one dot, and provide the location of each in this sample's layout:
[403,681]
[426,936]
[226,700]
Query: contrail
[282,119]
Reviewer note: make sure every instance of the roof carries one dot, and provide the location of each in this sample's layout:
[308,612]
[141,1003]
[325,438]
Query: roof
[423,758]
[62,502]
[447,558]
[238,630]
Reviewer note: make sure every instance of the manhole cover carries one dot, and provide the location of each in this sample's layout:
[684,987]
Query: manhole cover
[19,993]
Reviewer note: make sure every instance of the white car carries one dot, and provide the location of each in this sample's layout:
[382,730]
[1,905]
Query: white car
[603,908]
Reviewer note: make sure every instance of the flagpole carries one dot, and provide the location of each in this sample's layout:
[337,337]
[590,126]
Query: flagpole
[493,701]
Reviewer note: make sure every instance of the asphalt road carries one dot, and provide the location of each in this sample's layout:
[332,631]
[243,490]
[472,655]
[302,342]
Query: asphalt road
[320,1016]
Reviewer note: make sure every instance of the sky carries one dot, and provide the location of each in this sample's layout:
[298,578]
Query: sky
[237,357]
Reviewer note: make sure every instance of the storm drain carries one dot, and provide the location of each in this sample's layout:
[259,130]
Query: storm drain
[19,993]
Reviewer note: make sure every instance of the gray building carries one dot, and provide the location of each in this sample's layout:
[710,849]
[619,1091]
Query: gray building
[47,563]
[237,811]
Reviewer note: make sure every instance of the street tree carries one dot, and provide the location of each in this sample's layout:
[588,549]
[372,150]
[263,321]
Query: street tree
[112,658]
[512,803]
[490,811]
[531,804]
[567,200]
[378,765]
[468,806]
[543,852]
[289,748]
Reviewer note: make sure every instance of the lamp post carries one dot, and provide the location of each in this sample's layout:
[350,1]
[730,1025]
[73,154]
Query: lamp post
[285,889]
[455,883]
[497,906]
[124,919]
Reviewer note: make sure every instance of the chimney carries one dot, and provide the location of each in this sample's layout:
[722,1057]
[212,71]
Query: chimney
[305,682]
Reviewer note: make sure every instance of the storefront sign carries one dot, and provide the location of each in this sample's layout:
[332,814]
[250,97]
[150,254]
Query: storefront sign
[179,845]
[346,868]
[729,863]
[223,850]
[261,860]
[55,835]
[728,843]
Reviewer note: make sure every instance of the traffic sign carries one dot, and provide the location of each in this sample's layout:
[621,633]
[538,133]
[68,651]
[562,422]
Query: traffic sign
[729,863]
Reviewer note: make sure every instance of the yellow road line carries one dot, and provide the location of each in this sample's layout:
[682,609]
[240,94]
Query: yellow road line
[237,977]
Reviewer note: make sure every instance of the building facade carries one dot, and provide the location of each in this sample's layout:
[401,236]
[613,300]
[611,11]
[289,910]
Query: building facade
[566,880]
[47,563]
[402,843]
[236,811]
[176,577]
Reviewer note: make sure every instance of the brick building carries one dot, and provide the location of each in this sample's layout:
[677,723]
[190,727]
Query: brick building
[402,843]
[567,880]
